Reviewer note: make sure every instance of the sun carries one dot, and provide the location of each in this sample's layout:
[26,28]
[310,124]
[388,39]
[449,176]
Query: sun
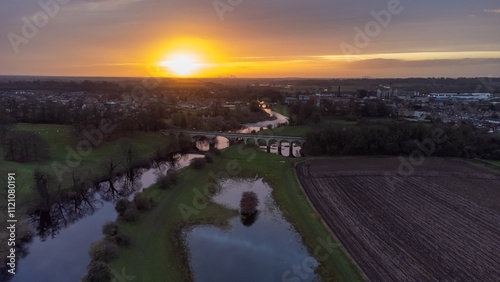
[181,65]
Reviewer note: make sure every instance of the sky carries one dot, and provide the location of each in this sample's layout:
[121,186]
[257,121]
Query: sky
[251,38]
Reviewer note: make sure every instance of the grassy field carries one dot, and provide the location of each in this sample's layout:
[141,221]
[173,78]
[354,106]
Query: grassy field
[288,130]
[61,137]
[157,252]
[282,109]
[302,130]
[334,121]
[494,162]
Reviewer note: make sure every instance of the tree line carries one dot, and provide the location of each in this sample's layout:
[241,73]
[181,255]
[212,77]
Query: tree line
[396,138]
[310,113]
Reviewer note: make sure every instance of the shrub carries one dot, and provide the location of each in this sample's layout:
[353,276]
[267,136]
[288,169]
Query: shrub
[142,203]
[163,181]
[198,163]
[131,214]
[172,175]
[122,206]
[166,180]
[98,272]
[209,158]
[103,251]
[121,239]
[110,229]
[216,151]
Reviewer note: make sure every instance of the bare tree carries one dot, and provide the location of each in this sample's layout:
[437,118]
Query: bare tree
[7,124]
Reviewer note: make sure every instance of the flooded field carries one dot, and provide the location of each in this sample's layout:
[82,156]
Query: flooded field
[263,248]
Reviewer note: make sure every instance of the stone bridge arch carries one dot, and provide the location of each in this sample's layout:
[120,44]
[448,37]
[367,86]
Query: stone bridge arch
[245,137]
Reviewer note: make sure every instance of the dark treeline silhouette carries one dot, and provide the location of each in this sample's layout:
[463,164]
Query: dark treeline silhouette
[217,118]
[60,85]
[426,85]
[25,146]
[128,104]
[394,138]
[139,118]
[310,113]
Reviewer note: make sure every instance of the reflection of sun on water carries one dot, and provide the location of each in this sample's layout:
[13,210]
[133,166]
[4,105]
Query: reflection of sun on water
[181,65]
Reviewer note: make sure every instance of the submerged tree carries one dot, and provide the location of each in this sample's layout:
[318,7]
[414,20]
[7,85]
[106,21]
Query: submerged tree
[248,208]
[250,219]
[248,203]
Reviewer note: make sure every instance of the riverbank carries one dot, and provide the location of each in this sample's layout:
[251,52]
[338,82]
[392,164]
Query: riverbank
[90,170]
[157,252]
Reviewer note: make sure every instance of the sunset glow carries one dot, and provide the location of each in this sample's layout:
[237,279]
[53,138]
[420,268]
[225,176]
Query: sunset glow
[181,65]
[300,40]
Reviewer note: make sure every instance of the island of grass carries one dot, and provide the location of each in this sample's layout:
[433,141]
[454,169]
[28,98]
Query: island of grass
[157,251]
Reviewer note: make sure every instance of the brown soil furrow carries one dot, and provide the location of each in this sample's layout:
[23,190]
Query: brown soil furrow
[441,223]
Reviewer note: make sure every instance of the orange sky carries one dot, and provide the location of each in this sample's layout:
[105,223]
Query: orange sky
[253,39]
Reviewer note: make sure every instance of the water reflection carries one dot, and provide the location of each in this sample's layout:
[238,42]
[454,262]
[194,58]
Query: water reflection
[123,187]
[65,209]
[280,119]
[261,249]
[220,143]
[285,149]
[73,220]
[249,219]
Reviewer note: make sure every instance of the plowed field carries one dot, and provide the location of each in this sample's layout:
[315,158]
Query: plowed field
[442,222]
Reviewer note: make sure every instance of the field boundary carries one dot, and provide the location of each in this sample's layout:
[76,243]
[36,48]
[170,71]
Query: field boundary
[337,240]
[488,165]
[427,229]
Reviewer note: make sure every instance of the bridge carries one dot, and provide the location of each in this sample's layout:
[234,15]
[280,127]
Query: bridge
[245,137]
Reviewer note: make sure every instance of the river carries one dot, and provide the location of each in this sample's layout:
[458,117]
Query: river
[250,127]
[59,251]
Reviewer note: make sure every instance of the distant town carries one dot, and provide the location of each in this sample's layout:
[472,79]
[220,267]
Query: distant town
[477,109]
[482,110]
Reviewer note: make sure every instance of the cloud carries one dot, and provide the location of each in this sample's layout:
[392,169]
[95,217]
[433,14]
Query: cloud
[492,11]
[101,5]
[437,63]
